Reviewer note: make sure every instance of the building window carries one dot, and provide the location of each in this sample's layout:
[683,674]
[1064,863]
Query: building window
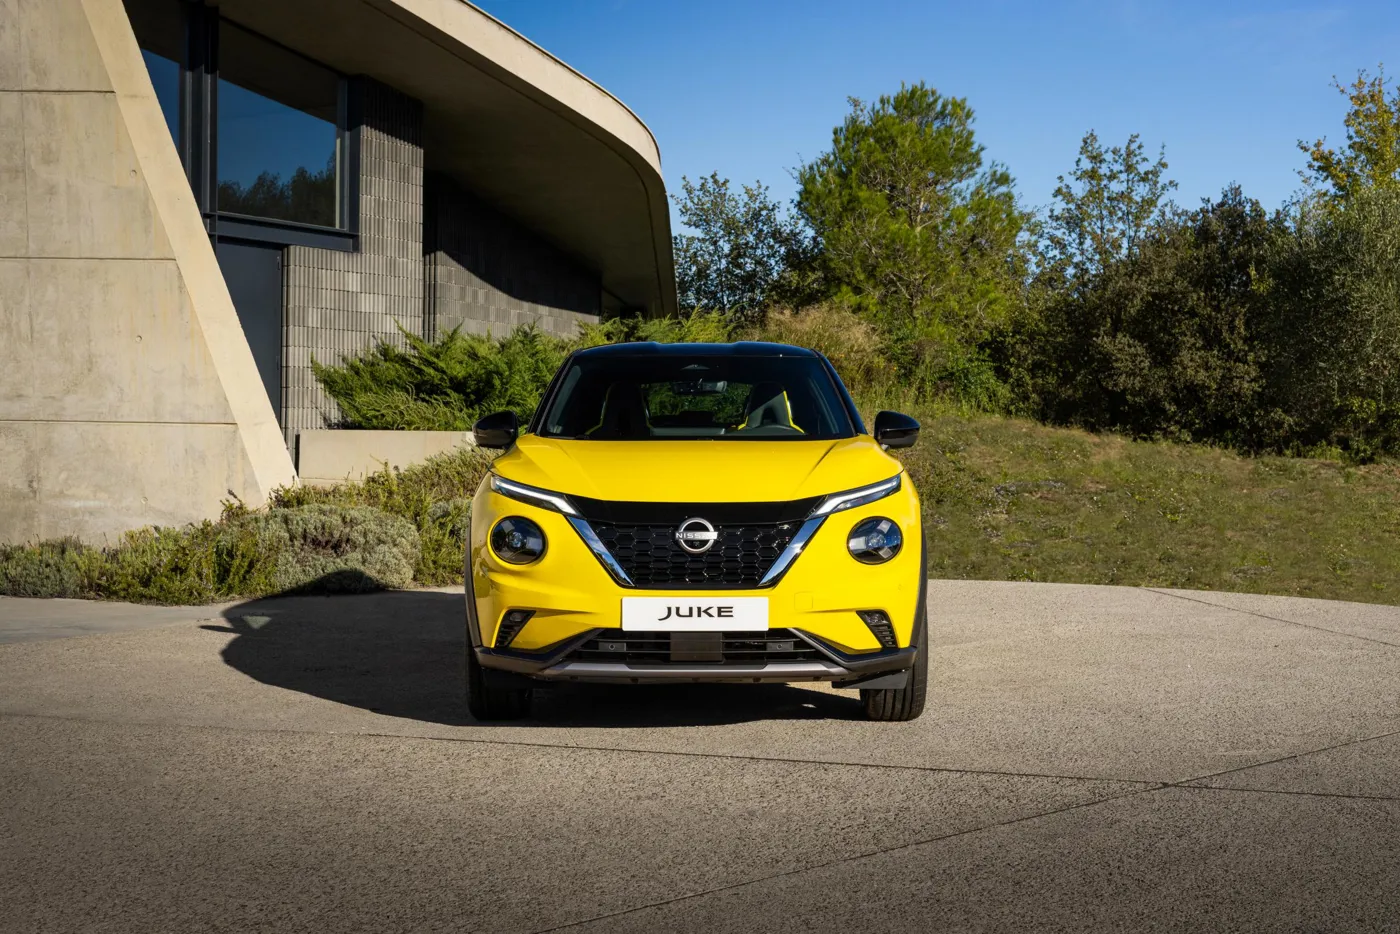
[261,130]
[279,132]
[165,75]
[159,28]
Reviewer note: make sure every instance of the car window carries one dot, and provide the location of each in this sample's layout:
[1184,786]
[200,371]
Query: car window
[679,397]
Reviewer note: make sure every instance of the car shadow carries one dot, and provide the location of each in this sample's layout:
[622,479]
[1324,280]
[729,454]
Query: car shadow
[400,653]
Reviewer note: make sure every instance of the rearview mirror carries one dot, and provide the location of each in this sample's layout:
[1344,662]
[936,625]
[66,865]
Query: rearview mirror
[895,430]
[497,430]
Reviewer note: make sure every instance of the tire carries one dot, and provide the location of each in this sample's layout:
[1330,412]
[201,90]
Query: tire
[486,702]
[906,703]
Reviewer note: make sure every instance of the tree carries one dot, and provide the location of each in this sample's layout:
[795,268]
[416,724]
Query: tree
[1164,340]
[1372,153]
[912,228]
[307,197]
[743,243]
[1333,370]
[1112,199]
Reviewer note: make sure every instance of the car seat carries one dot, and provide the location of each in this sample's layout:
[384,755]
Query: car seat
[624,413]
[768,407]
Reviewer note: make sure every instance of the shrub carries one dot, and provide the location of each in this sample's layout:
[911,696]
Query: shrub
[1164,341]
[696,327]
[49,569]
[335,549]
[851,343]
[1332,374]
[198,563]
[442,385]
[435,496]
[310,548]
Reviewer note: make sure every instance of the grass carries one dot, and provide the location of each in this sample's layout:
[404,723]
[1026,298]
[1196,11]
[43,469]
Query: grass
[1007,499]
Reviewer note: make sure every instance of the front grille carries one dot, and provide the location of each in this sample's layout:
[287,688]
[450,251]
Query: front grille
[740,557]
[660,648]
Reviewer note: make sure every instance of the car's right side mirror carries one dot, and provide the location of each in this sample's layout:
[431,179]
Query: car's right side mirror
[497,430]
[896,430]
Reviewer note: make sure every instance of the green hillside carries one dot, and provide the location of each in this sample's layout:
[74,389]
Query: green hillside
[1008,499]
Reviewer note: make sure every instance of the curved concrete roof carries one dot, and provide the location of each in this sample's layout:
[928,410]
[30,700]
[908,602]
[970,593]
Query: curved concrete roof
[511,122]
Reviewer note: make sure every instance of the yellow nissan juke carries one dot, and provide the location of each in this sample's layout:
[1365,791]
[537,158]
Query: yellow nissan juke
[696,512]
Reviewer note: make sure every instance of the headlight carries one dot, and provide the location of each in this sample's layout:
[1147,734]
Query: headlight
[857,497]
[517,540]
[875,540]
[532,495]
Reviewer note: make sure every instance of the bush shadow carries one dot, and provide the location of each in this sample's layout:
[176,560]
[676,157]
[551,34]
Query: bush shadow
[401,653]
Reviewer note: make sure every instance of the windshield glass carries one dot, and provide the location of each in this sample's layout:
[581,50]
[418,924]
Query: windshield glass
[681,397]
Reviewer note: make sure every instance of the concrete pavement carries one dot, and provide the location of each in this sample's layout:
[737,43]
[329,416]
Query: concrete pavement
[1092,759]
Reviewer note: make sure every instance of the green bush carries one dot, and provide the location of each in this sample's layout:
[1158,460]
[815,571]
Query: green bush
[335,549]
[1332,372]
[435,496]
[319,548]
[442,385]
[1163,342]
[198,563]
[49,569]
[704,327]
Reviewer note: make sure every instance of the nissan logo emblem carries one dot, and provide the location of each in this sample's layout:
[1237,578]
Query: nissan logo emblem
[696,536]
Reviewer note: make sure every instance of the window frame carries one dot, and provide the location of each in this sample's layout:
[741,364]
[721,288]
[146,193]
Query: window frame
[197,143]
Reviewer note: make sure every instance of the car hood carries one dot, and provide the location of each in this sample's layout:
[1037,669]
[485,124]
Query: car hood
[698,471]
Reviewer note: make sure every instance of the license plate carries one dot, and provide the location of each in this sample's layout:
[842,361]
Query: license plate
[694,614]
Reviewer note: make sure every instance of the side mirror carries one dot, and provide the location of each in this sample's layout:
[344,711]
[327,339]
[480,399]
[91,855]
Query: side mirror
[894,430]
[497,430]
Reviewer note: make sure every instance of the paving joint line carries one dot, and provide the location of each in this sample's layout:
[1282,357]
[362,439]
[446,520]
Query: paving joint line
[1287,791]
[852,858]
[1276,619]
[1186,782]
[581,748]
[1161,786]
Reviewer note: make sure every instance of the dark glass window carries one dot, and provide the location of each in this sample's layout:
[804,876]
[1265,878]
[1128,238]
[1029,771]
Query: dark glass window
[160,31]
[673,397]
[278,133]
[165,75]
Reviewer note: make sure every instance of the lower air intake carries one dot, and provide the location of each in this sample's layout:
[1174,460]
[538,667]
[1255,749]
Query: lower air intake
[661,648]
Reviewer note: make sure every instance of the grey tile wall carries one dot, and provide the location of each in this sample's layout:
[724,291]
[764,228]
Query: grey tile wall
[431,257]
[486,273]
[337,304]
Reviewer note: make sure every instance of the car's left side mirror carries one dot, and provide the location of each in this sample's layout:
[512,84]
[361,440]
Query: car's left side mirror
[497,430]
[895,430]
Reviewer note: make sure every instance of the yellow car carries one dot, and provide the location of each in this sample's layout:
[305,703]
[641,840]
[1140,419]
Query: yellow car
[696,512]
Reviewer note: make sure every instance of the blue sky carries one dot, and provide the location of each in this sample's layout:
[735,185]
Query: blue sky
[752,89]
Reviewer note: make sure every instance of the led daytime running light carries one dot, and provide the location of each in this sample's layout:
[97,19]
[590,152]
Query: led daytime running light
[532,495]
[859,497]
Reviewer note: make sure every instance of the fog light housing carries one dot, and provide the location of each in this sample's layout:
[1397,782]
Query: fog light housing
[510,627]
[878,622]
[517,540]
[874,540]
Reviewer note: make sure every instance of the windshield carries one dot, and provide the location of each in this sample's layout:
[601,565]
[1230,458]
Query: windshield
[684,397]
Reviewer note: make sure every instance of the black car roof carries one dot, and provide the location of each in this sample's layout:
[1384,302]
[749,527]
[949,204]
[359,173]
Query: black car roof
[736,349]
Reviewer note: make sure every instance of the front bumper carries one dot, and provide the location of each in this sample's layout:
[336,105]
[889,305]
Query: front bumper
[556,665]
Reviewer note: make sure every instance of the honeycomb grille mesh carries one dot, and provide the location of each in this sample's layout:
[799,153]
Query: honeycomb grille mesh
[740,557]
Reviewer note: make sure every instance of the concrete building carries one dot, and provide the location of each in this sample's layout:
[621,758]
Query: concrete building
[197,198]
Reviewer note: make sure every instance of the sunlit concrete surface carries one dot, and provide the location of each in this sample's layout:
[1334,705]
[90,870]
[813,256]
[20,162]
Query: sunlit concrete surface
[1091,759]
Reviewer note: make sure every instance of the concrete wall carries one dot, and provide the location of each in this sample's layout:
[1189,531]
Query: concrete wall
[128,395]
[338,304]
[330,456]
[487,273]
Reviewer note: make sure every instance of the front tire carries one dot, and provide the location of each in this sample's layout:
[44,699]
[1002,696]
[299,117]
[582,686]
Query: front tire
[906,703]
[488,702]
